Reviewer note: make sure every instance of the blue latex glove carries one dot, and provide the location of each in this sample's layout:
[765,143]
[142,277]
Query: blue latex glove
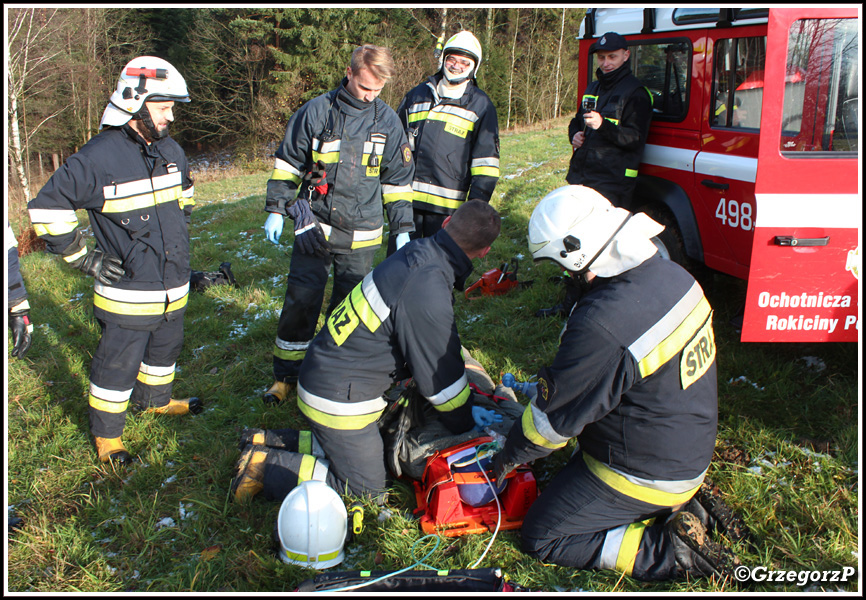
[484,417]
[309,237]
[402,240]
[274,227]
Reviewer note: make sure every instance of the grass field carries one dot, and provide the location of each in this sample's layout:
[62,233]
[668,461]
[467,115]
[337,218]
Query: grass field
[787,450]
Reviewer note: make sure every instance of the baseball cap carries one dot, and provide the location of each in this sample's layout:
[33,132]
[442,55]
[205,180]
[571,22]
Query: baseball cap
[609,41]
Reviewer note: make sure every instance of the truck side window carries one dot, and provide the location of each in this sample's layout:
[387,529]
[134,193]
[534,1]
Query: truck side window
[738,82]
[664,69]
[820,112]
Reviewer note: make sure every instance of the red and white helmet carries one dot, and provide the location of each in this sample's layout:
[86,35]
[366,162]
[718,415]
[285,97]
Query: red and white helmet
[143,79]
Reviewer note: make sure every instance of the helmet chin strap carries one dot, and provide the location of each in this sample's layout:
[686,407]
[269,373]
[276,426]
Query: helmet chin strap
[151,133]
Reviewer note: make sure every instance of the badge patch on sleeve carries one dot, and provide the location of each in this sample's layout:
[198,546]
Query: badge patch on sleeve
[698,354]
[407,154]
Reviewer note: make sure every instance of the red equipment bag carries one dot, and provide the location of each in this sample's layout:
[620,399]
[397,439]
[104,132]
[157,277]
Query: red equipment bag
[442,494]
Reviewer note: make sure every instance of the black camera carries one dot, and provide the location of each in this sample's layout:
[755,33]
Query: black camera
[588,103]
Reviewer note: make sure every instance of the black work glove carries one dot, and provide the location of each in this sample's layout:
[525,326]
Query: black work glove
[22,328]
[106,268]
[500,468]
[309,237]
[317,178]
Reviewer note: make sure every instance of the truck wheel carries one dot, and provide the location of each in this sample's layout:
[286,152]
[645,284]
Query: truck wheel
[669,242]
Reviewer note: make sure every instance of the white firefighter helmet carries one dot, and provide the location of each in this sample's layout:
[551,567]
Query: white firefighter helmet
[463,44]
[143,79]
[581,230]
[312,526]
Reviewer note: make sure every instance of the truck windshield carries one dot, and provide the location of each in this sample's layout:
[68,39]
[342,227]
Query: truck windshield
[821,99]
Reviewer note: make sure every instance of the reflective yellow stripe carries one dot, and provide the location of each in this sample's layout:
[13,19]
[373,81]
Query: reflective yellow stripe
[280,175]
[489,171]
[144,309]
[418,116]
[329,158]
[631,172]
[54,228]
[304,558]
[305,442]
[632,490]
[676,341]
[614,121]
[345,422]
[436,200]
[531,432]
[289,354]
[154,379]
[363,309]
[305,471]
[73,257]
[455,402]
[460,125]
[366,243]
[630,544]
[106,406]
[142,201]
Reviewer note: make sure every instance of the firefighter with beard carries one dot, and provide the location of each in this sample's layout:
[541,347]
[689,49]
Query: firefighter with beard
[453,131]
[343,156]
[134,182]
[634,381]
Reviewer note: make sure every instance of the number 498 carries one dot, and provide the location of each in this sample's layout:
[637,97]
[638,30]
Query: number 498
[735,214]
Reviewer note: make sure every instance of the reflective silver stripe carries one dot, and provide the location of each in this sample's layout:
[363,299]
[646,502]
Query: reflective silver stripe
[282,165]
[610,549]
[702,163]
[110,395]
[450,392]
[189,192]
[374,298]
[491,161]
[141,296]
[47,215]
[320,470]
[436,190]
[142,186]
[341,409]
[544,428]
[156,371]
[327,147]
[667,324]
[420,107]
[360,235]
[162,182]
[291,346]
[369,147]
[396,189]
[317,450]
[457,111]
[670,487]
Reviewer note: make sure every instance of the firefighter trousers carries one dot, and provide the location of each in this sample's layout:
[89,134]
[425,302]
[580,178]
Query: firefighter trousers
[305,293]
[426,225]
[579,521]
[131,365]
[354,464]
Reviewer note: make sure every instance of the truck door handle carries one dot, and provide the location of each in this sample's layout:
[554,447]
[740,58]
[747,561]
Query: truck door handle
[715,185]
[790,240]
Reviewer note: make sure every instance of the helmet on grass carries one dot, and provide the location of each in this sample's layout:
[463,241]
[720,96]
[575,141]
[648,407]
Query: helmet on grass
[312,526]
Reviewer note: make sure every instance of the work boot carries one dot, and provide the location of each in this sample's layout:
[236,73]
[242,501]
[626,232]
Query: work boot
[714,514]
[278,392]
[249,473]
[292,440]
[696,554]
[177,408]
[112,450]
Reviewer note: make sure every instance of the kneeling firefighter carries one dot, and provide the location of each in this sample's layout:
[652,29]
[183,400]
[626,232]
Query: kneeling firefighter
[634,380]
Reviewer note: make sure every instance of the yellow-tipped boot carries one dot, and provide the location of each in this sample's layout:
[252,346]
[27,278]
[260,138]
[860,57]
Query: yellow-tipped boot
[177,408]
[249,473]
[278,392]
[112,450]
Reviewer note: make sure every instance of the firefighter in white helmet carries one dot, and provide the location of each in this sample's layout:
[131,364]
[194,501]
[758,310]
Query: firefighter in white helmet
[454,135]
[634,381]
[134,182]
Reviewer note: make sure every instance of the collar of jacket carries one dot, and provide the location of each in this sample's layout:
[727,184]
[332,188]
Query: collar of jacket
[462,264]
[150,149]
[433,83]
[608,80]
[347,100]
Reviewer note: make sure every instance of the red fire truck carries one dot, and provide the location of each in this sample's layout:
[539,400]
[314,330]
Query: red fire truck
[752,157]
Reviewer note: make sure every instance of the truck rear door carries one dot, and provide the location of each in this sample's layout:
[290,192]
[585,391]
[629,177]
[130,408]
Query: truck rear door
[804,273]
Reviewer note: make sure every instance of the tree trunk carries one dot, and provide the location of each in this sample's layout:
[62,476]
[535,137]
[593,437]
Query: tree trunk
[441,41]
[558,81]
[511,75]
[17,158]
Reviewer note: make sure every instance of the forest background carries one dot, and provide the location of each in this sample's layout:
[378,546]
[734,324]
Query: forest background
[248,69]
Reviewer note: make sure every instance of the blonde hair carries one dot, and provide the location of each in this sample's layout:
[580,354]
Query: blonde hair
[375,58]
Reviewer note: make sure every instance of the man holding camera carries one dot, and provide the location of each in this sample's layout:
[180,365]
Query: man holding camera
[609,132]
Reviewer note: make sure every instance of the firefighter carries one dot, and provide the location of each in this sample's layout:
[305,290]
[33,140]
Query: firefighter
[607,136]
[19,306]
[634,380]
[454,135]
[344,154]
[398,322]
[133,180]
[609,132]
